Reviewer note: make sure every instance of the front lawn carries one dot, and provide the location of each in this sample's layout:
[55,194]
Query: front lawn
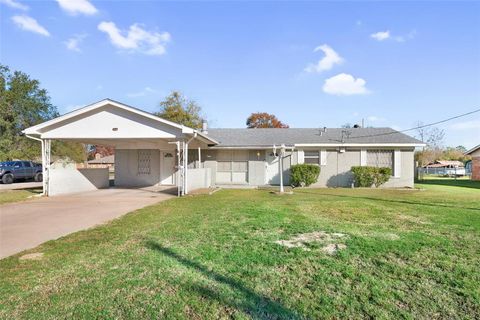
[401,254]
[8,196]
[460,182]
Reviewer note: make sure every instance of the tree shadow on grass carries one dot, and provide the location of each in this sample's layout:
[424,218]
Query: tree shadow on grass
[256,305]
[393,201]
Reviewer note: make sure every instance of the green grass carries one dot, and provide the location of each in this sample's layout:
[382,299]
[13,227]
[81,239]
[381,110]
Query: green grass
[17,195]
[410,254]
[459,182]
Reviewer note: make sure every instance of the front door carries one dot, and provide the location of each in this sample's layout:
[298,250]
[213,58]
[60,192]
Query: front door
[167,167]
[272,168]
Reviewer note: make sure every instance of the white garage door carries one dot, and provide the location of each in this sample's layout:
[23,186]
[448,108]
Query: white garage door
[232,167]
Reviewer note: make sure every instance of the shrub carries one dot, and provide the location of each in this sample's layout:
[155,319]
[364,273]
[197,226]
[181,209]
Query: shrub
[304,174]
[368,176]
[382,175]
[363,176]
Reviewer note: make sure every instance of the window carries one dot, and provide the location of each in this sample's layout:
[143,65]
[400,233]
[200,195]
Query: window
[380,158]
[27,164]
[232,167]
[224,166]
[312,157]
[144,161]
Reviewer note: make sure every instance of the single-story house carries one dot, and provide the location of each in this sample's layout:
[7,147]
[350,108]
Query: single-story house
[475,154]
[151,151]
[445,164]
[445,167]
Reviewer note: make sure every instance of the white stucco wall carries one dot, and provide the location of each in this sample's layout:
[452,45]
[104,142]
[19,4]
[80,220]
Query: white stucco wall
[65,178]
[335,172]
[126,169]
[198,178]
[116,124]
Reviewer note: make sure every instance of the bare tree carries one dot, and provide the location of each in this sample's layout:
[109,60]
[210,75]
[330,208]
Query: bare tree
[432,136]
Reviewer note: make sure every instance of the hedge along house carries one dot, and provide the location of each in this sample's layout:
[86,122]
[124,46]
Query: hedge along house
[150,151]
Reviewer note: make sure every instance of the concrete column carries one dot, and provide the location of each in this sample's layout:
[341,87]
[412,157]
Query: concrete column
[282,153]
[46,146]
[199,157]
[185,170]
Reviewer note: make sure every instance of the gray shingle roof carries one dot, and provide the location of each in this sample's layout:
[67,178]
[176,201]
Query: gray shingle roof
[291,136]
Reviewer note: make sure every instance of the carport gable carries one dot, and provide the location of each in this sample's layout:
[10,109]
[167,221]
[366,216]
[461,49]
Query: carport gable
[108,119]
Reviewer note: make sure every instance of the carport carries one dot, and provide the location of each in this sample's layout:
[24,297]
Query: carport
[149,151]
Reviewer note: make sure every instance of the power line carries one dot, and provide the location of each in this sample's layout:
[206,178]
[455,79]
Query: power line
[419,127]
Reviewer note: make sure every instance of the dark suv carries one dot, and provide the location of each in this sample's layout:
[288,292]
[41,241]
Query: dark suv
[20,170]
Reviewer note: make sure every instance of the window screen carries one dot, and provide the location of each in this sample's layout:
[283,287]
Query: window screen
[144,158]
[380,158]
[312,157]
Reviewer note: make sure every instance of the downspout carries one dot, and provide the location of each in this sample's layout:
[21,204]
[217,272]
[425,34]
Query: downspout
[44,176]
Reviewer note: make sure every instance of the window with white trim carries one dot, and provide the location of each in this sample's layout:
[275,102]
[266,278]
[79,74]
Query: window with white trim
[312,157]
[380,158]
[144,157]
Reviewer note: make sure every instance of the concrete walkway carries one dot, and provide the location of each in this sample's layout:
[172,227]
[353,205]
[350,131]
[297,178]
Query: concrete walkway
[27,224]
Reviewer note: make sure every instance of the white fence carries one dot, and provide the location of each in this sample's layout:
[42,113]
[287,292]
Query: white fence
[443,172]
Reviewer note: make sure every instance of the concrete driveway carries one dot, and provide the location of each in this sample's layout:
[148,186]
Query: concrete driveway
[27,224]
[20,185]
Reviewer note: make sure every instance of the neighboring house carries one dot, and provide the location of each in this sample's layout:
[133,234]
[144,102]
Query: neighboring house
[475,154]
[468,167]
[101,162]
[445,167]
[445,164]
[152,151]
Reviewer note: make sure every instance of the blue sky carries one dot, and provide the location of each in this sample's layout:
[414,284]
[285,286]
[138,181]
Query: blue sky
[313,64]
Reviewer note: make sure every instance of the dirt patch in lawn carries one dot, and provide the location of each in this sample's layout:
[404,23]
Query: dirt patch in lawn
[412,219]
[32,256]
[329,241]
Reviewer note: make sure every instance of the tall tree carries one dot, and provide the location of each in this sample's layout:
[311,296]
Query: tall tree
[177,108]
[264,120]
[23,103]
[104,151]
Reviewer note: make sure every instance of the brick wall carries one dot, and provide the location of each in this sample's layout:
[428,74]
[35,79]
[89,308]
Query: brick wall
[476,168]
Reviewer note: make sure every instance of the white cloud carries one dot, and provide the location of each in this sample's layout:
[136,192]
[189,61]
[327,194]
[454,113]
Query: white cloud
[14,4]
[345,84]
[466,125]
[74,42]
[136,39]
[381,35]
[330,59]
[386,35]
[75,7]
[145,91]
[29,24]
[375,119]
[406,37]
